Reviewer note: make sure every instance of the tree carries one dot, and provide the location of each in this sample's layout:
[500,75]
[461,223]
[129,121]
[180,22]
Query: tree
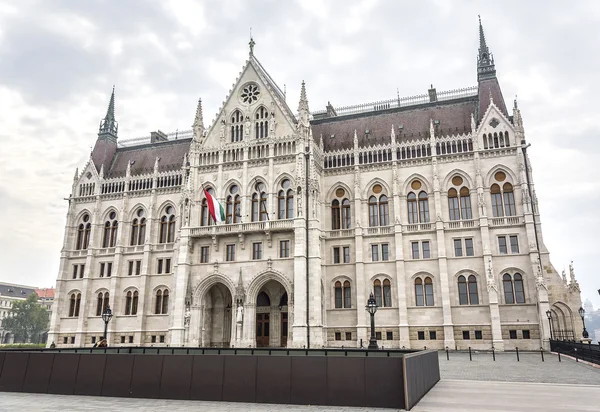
[28,319]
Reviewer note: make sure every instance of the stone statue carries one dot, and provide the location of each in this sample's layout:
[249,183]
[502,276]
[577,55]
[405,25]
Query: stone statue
[299,205]
[187,316]
[222,132]
[572,272]
[247,126]
[240,314]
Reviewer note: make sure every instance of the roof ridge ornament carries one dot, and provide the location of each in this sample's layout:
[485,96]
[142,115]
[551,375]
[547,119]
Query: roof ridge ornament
[251,43]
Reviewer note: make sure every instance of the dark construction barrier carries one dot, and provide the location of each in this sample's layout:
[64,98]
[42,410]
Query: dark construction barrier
[579,350]
[390,378]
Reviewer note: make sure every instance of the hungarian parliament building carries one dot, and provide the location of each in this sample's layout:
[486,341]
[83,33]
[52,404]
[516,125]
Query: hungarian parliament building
[428,202]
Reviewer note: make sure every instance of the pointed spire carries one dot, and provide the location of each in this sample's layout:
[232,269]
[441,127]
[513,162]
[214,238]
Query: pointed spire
[76,174]
[393,136]
[355,139]
[156,165]
[321,142]
[198,125]
[128,170]
[431,129]
[485,60]
[109,124]
[303,107]
[473,124]
[101,173]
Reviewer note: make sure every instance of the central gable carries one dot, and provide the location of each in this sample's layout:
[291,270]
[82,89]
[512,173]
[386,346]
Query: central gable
[255,109]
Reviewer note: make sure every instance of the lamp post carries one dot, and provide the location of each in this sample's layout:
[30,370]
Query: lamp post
[585,333]
[372,308]
[549,315]
[106,317]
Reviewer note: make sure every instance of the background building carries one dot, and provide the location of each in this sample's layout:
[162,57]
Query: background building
[426,201]
[9,294]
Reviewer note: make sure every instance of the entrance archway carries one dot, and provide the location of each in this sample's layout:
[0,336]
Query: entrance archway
[272,315]
[216,327]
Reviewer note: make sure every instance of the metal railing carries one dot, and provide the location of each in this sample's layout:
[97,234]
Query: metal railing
[585,351]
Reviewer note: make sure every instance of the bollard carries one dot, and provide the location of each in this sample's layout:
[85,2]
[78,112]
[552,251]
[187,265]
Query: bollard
[494,353]
[517,349]
[576,357]
[542,353]
[558,351]
[470,358]
[447,354]
[424,347]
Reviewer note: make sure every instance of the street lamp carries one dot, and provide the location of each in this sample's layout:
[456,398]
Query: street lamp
[549,315]
[106,317]
[372,308]
[585,333]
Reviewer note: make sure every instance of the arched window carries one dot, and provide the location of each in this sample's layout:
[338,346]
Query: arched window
[497,209]
[453,206]
[161,305]
[519,291]
[463,294]
[467,290]
[110,230]
[285,201]
[138,229]
[128,301]
[373,212]
[465,203]
[262,123]
[509,200]
[387,293]
[83,233]
[428,292]
[384,211]
[423,208]
[205,217]
[347,295]
[259,203]
[233,212]
[419,298]
[378,293]
[509,296]
[346,218]
[335,214]
[343,295]
[167,226]
[237,126]
[338,295]
[102,304]
[413,214]
[74,304]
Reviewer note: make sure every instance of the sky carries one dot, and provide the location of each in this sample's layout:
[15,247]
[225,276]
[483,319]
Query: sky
[60,59]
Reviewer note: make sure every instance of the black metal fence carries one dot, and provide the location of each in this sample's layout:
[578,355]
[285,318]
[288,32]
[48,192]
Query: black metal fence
[563,334]
[585,351]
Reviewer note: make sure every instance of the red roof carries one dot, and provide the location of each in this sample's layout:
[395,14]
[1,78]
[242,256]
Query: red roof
[47,293]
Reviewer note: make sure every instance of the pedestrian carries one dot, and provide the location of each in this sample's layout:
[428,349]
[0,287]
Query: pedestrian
[52,345]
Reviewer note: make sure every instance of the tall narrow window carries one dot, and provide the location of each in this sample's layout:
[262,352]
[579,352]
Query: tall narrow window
[346,214]
[428,292]
[86,236]
[205,218]
[72,305]
[110,230]
[128,300]
[519,291]
[458,247]
[413,214]
[135,227]
[415,250]
[378,293]
[347,295]
[385,255]
[373,212]
[281,205]
[502,245]
[259,203]
[165,302]
[514,244]
[375,253]
[423,207]
[465,204]
[509,296]
[473,295]
[419,297]
[453,207]
[387,293]
[285,201]
[497,209]
[102,304]
[237,126]
[230,253]
[469,247]
[335,214]
[77,305]
[463,295]
[338,294]
[426,249]
[80,234]
[232,209]
[384,211]
[158,303]
[262,123]
[162,302]
[509,200]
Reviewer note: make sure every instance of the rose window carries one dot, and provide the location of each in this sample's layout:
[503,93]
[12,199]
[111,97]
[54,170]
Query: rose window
[250,93]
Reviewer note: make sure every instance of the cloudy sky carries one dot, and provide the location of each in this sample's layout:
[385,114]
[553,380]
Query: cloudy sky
[59,60]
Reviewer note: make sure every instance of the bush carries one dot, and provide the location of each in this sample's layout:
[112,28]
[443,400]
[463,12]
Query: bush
[23,346]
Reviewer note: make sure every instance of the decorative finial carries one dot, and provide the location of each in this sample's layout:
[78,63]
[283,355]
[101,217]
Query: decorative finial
[109,124]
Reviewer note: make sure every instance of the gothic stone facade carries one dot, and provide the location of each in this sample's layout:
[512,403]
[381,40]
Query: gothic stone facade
[428,202]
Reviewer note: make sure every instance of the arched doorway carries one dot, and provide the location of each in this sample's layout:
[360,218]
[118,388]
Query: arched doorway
[272,315]
[216,325]
[562,322]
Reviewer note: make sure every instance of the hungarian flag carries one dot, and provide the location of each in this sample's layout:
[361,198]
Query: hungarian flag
[215,208]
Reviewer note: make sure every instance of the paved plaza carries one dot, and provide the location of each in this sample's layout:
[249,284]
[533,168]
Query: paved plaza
[481,384]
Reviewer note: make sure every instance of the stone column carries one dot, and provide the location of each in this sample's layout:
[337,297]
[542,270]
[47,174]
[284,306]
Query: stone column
[180,288]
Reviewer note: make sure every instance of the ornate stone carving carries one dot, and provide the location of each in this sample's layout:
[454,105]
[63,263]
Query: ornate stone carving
[222,131]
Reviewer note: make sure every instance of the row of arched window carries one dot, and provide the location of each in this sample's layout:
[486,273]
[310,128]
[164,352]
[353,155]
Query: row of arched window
[130,308]
[468,293]
[137,233]
[261,124]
